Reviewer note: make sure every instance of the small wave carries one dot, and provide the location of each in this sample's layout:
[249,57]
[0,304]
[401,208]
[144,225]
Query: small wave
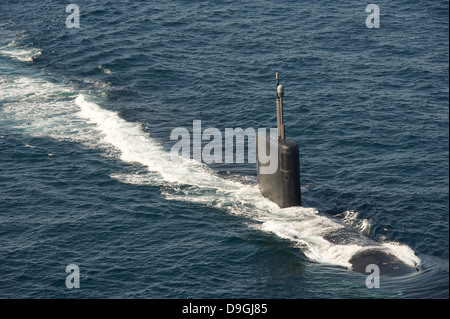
[351,218]
[12,50]
[104,70]
[38,107]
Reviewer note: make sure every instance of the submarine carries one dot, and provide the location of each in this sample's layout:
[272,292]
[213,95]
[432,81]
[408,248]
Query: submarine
[283,188]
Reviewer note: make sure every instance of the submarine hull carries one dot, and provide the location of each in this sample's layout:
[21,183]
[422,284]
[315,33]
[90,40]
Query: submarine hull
[283,186]
[386,262]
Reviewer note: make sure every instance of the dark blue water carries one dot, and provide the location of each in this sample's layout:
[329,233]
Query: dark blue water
[86,176]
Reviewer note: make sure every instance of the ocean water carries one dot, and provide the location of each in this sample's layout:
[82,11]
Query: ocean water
[86,176]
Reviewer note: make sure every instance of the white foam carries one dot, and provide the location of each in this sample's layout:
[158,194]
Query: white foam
[104,70]
[403,252]
[20,54]
[38,107]
[136,146]
[26,88]
[351,218]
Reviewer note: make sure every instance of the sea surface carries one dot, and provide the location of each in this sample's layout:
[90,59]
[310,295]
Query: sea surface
[87,177]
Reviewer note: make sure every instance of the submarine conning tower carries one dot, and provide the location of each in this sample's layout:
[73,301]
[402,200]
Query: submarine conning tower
[283,185]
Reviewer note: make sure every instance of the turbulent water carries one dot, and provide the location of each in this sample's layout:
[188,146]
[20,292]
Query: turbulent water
[87,177]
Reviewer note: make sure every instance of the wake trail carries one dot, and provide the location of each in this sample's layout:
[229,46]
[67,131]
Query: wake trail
[321,238]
